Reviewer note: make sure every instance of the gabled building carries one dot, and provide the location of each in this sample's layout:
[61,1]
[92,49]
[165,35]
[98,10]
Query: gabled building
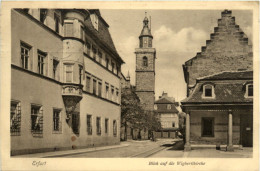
[65,81]
[219,103]
[166,107]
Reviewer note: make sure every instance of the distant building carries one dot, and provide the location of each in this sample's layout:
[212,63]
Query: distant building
[219,103]
[166,107]
[65,89]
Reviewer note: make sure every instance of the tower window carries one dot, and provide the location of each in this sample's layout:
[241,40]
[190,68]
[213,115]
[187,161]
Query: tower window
[145,61]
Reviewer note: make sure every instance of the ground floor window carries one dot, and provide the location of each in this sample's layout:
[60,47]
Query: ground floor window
[106,125]
[114,128]
[36,121]
[207,127]
[89,124]
[98,124]
[57,121]
[15,118]
[75,123]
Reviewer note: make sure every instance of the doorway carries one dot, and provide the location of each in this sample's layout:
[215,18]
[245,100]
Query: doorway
[246,130]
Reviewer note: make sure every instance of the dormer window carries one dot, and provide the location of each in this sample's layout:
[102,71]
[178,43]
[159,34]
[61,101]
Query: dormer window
[94,20]
[169,106]
[155,107]
[208,91]
[249,91]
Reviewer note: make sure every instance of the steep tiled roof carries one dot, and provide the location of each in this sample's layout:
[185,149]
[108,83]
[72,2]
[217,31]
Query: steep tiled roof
[230,90]
[103,34]
[164,100]
[229,75]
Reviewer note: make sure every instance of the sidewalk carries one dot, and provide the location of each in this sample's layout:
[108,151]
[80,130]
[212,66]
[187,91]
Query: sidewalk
[70,152]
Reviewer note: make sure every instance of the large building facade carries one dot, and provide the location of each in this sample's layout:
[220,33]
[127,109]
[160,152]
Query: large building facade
[145,67]
[65,84]
[219,103]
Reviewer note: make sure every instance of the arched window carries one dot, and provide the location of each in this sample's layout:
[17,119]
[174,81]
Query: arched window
[145,61]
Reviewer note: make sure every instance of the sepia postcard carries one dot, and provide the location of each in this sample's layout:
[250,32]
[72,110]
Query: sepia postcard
[129,85]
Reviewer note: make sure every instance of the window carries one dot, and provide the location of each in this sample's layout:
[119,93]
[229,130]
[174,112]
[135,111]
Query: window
[107,91]
[113,67]
[80,73]
[68,29]
[43,13]
[207,124]
[57,120]
[117,70]
[88,47]
[208,91]
[57,22]
[99,89]
[145,61]
[169,106]
[106,125]
[250,90]
[36,121]
[117,96]
[69,73]
[88,82]
[94,86]
[41,60]
[100,57]
[25,56]
[112,93]
[94,50]
[150,43]
[173,124]
[89,124]
[94,20]
[81,32]
[155,107]
[75,122]
[107,62]
[15,118]
[98,124]
[55,66]
[114,128]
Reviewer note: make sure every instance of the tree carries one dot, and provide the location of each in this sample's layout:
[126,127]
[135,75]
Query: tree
[131,111]
[182,119]
[153,122]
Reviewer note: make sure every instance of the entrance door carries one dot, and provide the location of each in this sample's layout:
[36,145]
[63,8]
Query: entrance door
[246,130]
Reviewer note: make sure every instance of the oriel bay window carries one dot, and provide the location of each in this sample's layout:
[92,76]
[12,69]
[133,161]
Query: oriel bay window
[15,118]
[57,22]
[36,120]
[98,125]
[80,73]
[68,73]
[94,50]
[25,53]
[57,121]
[41,62]
[68,27]
[100,57]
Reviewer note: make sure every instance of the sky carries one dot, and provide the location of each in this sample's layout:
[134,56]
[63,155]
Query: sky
[177,36]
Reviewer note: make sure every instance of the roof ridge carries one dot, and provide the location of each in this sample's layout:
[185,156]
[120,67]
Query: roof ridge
[211,75]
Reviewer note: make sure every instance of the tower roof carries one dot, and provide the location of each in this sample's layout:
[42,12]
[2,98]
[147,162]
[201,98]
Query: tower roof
[146,31]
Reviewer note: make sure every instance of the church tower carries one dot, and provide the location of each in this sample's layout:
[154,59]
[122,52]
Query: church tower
[145,67]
